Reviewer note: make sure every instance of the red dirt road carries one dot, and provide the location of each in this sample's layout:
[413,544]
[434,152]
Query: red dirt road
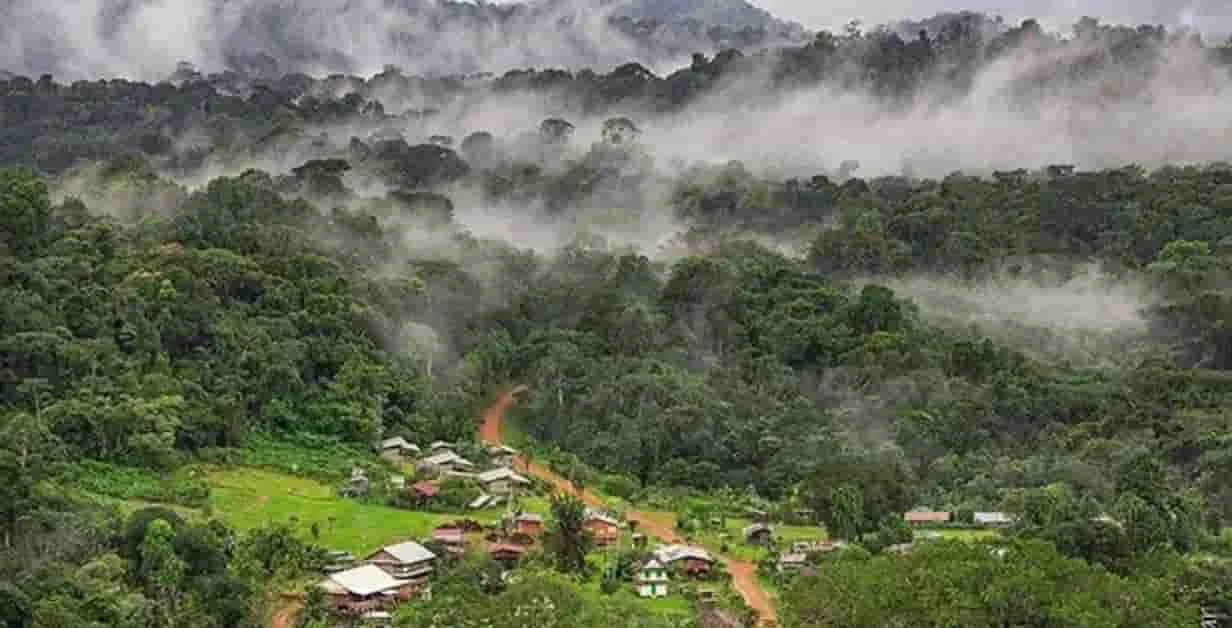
[744,573]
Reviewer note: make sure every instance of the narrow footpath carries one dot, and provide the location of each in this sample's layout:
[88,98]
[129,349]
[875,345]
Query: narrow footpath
[744,573]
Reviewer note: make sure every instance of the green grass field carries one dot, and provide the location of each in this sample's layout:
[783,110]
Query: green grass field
[958,534]
[673,605]
[248,498]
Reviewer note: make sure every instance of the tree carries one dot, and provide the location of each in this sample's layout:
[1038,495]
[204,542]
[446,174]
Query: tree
[25,213]
[1186,264]
[161,571]
[316,612]
[1023,584]
[620,131]
[568,541]
[844,518]
[555,130]
[871,488]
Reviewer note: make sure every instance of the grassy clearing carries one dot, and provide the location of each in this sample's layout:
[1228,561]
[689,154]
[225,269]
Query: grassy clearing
[674,605]
[732,535]
[958,534]
[248,498]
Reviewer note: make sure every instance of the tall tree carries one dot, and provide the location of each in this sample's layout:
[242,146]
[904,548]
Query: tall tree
[568,540]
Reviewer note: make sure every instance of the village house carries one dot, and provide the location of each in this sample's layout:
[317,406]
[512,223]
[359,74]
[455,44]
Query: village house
[397,449]
[693,560]
[440,446]
[528,524]
[992,519]
[792,561]
[424,492]
[483,501]
[900,548]
[501,455]
[758,534]
[925,518]
[445,463]
[501,481]
[508,554]
[652,579]
[367,588]
[357,486]
[406,561]
[452,538]
[604,529]
[809,547]
[338,560]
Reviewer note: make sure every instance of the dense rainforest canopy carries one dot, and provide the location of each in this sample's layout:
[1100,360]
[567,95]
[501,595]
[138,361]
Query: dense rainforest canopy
[190,266]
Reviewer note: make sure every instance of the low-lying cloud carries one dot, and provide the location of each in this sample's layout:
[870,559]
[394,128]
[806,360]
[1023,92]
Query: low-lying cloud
[1212,17]
[1085,314]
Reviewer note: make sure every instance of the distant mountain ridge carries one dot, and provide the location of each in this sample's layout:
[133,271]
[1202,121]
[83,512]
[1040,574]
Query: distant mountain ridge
[145,39]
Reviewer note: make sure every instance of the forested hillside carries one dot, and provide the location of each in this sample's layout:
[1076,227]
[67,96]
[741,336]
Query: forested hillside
[196,272]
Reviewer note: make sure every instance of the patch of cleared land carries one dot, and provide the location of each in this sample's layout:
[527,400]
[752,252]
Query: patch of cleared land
[248,498]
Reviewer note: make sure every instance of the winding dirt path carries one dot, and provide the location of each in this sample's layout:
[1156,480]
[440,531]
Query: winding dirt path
[743,573]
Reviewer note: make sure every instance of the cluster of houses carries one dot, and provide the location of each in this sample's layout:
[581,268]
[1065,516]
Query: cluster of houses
[926,518]
[797,559]
[386,578]
[371,588]
[441,460]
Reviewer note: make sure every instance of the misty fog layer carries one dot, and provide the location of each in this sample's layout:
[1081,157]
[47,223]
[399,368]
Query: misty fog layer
[145,39]
[1211,17]
[1180,113]
[1086,314]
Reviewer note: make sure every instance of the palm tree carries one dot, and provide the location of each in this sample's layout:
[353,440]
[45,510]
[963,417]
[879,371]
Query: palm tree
[568,540]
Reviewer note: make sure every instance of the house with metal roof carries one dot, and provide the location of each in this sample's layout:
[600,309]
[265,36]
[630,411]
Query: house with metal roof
[651,579]
[694,560]
[604,528]
[367,588]
[758,534]
[501,455]
[926,517]
[501,481]
[406,561]
[446,462]
[992,518]
[397,449]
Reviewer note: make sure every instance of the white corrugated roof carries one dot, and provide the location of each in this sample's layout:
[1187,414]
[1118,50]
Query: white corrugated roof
[673,553]
[757,527]
[365,580]
[447,457]
[992,517]
[599,515]
[409,552]
[398,441]
[492,475]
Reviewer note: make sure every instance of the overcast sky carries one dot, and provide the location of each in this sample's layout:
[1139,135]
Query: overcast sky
[1212,16]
